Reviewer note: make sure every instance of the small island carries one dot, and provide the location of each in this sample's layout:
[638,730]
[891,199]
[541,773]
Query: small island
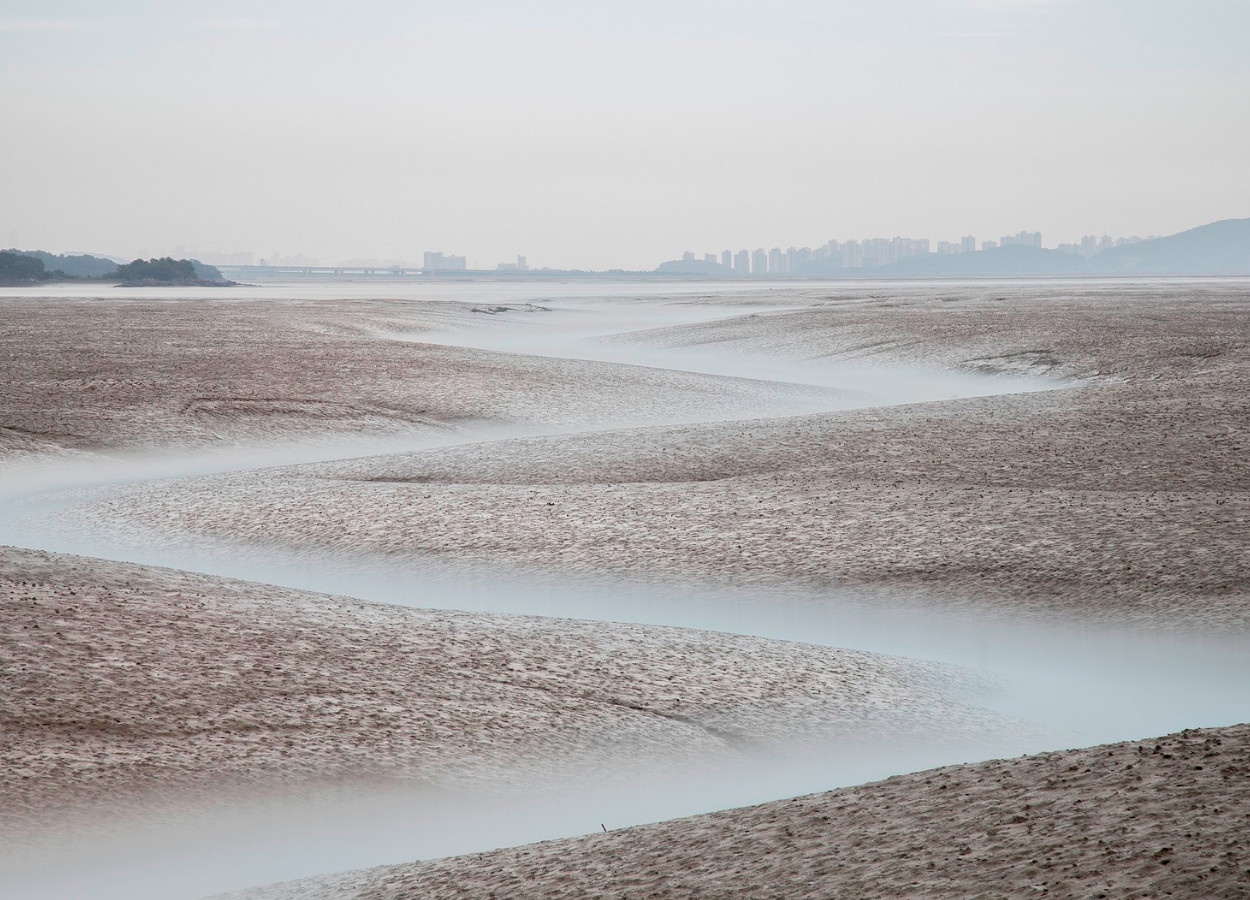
[169,272]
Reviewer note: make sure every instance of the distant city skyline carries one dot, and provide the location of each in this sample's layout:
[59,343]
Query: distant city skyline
[861,253]
[881,251]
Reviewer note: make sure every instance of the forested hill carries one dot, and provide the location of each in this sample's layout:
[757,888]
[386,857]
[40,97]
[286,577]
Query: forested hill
[80,264]
[37,266]
[17,269]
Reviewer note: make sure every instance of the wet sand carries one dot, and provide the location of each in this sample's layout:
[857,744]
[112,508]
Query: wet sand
[1156,818]
[129,684]
[103,376]
[1122,500]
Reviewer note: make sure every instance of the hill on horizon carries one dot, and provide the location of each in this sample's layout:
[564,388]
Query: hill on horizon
[1219,248]
[695,267]
[79,264]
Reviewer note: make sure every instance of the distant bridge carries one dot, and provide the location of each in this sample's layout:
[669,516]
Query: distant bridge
[246,272]
[272,273]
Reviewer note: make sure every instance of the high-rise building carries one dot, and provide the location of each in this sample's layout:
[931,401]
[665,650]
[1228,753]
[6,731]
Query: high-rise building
[742,262]
[759,261]
[831,251]
[776,261]
[1022,239]
[852,255]
[435,260]
[727,259]
[968,244]
[518,266]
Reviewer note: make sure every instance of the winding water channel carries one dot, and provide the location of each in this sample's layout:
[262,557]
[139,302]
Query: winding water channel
[1080,684]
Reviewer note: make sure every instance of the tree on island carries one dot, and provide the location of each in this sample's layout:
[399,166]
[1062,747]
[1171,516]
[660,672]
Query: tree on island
[167,270]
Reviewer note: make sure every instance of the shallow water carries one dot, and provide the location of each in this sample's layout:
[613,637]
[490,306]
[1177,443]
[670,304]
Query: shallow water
[1086,685]
[484,291]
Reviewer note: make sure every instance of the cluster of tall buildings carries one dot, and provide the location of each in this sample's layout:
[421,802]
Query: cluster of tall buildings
[833,254]
[966,244]
[874,252]
[519,266]
[1090,245]
[866,254]
[438,261]
[1019,239]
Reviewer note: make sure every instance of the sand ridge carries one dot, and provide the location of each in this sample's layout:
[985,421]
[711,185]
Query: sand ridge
[123,681]
[1162,817]
[1127,498]
[1124,498]
[101,375]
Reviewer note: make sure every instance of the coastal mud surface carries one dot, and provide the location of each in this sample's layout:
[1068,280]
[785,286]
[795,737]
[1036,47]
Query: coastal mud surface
[1154,818]
[1118,501]
[125,682]
[101,376]
[1125,498]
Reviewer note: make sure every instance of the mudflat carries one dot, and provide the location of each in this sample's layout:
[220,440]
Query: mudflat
[1155,818]
[100,376]
[127,685]
[1122,496]
[1119,496]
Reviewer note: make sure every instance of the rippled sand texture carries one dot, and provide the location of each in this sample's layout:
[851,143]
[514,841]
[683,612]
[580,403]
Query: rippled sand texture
[102,375]
[122,681]
[1156,818]
[1124,498]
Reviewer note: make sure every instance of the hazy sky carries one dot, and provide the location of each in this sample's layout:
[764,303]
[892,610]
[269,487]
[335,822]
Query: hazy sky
[601,135]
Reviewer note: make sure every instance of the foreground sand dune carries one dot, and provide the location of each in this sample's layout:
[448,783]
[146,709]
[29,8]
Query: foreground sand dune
[1127,498]
[1163,817]
[123,681]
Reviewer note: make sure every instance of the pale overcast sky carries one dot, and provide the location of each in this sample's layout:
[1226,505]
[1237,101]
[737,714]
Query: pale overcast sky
[600,135]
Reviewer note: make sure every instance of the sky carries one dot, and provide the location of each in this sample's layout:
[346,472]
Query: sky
[596,135]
